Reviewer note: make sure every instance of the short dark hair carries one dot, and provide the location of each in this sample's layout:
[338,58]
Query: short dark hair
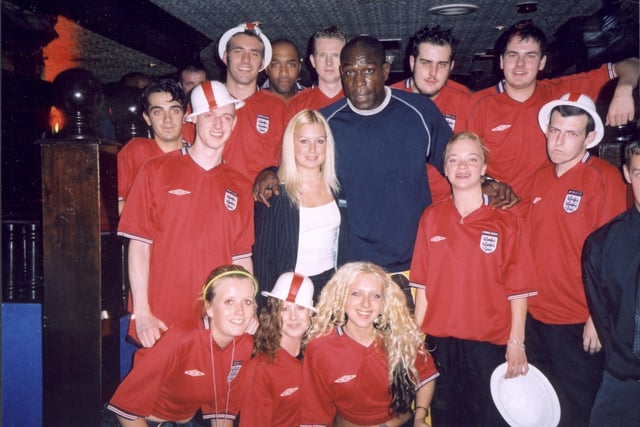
[366,42]
[192,68]
[169,86]
[525,30]
[285,41]
[331,32]
[436,36]
[570,111]
[631,149]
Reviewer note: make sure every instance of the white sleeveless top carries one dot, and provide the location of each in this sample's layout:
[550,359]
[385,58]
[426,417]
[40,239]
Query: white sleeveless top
[318,239]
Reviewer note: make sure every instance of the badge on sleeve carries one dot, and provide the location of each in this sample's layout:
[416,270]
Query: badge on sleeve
[262,124]
[230,200]
[572,201]
[489,241]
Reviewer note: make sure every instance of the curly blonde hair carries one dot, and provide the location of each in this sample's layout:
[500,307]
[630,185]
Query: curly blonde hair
[395,329]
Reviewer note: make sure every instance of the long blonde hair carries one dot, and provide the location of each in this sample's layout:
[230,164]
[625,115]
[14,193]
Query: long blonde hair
[396,328]
[288,172]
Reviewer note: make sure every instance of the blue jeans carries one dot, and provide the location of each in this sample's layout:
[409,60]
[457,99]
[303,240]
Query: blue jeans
[617,403]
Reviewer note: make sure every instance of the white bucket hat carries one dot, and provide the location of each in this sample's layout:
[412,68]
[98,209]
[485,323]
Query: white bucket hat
[208,96]
[251,26]
[575,100]
[295,288]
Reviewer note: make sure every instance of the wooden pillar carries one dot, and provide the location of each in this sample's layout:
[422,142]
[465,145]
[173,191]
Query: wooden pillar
[81,260]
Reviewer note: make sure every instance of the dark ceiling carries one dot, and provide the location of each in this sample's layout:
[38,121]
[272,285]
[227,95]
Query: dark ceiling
[156,36]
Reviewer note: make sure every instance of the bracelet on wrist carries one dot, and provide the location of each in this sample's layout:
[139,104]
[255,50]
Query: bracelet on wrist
[426,410]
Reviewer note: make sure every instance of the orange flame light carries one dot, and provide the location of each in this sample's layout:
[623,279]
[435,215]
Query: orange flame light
[56,120]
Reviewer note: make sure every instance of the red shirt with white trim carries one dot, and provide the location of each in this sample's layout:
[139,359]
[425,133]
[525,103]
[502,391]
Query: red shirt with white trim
[510,129]
[311,98]
[256,140]
[564,211]
[452,101]
[173,379]
[341,376]
[195,220]
[274,396]
[470,268]
[132,155]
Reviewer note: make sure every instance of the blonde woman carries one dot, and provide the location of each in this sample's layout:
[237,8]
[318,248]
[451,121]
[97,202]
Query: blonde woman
[472,272]
[191,369]
[365,362]
[301,228]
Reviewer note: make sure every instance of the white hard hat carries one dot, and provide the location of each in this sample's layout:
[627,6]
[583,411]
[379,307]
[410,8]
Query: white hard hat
[574,100]
[241,28]
[295,288]
[208,96]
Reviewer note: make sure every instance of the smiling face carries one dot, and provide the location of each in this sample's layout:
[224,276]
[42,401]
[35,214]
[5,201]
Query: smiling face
[521,62]
[326,59]
[363,73]
[213,128]
[243,58]
[165,117]
[284,69]
[231,309]
[310,146]
[431,68]
[364,302]
[295,320]
[464,163]
[567,140]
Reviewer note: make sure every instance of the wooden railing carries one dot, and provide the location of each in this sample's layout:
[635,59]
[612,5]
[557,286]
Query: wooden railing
[21,261]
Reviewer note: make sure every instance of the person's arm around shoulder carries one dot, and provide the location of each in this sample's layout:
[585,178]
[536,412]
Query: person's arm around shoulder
[265,186]
[622,106]
[148,327]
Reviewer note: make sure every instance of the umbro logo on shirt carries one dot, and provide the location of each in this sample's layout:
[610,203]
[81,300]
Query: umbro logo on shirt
[289,391]
[179,192]
[500,128]
[345,379]
[437,239]
[536,200]
[194,373]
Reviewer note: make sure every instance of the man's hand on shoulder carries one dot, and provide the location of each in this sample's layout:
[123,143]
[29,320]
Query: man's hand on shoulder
[502,195]
[265,186]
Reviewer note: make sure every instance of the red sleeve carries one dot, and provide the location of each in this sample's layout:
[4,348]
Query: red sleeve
[138,391]
[136,219]
[420,260]
[438,184]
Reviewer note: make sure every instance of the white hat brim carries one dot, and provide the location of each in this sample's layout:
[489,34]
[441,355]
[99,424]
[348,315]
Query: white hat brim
[544,117]
[222,44]
[269,294]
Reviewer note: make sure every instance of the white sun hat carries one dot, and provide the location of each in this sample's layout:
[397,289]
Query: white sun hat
[241,28]
[208,96]
[527,400]
[295,288]
[575,100]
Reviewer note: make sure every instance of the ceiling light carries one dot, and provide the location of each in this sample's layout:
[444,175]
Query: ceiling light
[527,7]
[453,9]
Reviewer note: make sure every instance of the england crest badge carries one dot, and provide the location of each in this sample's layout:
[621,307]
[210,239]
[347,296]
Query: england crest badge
[572,201]
[262,124]
[230,200]
[489,241]
[235,369]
